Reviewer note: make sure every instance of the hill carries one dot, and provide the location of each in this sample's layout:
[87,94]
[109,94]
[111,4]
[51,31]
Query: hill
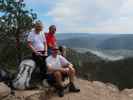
[82,40]
[92,67]
[98,41]
[98,80]
[119,42]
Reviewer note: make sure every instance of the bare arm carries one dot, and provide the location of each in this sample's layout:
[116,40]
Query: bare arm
[31,47]
[45,48]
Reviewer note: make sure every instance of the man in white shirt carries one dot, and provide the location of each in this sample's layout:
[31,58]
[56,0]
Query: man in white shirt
[37,43]
[58,66]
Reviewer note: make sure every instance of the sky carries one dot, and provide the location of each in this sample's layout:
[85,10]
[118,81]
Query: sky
[85,16]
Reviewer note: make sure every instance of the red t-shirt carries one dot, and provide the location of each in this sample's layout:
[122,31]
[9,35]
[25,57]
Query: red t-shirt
[51,39]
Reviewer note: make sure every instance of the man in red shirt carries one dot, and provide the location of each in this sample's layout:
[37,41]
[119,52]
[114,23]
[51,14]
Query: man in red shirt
[51,39]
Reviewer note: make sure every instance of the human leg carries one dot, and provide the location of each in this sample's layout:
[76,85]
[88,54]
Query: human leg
[58,79]
[71,75]
[40,64]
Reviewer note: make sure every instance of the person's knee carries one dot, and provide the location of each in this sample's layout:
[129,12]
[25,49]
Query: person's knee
[72,69]
[57,74]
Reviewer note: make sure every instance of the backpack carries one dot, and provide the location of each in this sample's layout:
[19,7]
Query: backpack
[22,80]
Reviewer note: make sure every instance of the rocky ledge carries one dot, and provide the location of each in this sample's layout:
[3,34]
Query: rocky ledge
[90,90]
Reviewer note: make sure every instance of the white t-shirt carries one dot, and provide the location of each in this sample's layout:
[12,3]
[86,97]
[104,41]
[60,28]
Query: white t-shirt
[57,62]
[37,40]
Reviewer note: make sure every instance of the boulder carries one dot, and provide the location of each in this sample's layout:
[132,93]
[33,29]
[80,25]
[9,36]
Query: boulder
[4,90]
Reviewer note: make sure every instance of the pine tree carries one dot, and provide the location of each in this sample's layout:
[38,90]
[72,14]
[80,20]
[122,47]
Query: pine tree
[15,20]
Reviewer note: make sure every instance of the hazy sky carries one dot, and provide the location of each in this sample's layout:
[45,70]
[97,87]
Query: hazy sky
[108,16]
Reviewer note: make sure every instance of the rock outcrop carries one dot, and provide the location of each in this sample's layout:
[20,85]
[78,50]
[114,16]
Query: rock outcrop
[90,90]
[4,90]
[96,90]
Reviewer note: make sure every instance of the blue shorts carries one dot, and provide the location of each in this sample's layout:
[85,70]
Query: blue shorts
[51,79]
[49,51]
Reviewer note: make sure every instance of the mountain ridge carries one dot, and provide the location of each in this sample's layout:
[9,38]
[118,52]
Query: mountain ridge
[99,41]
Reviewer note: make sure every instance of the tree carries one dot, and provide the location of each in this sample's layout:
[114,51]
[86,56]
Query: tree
[15,21]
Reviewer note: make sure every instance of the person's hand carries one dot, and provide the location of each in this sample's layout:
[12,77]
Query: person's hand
[45,54]
[38,53]
[62,70]
[66,70]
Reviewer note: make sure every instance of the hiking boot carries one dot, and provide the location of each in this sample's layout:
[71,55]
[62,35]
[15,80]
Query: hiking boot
[61,92]
[73,88]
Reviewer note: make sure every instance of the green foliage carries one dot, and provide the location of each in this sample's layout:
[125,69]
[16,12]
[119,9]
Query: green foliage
[117,72]
[8,55]
[91,67]
[16,18]
[14,22]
